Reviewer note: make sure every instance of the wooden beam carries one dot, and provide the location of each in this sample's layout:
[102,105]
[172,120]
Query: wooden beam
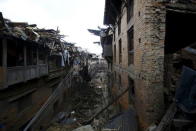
[106,107]
[4,63]
[37,66]
[25,62]
[167,118]
[21,95]
[57,93]
[182,8]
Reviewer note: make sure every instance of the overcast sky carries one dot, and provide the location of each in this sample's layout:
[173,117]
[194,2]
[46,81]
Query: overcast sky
[73,17]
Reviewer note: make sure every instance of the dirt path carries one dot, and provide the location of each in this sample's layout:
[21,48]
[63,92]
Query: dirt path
[87,99]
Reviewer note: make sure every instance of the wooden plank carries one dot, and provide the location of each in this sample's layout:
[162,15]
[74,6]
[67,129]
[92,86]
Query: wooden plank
[167,118]
[20,24]
[50,101]
[21,95]
[106,107]
[182,122]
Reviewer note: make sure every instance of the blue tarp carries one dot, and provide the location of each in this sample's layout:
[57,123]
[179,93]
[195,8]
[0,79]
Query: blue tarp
[186,93]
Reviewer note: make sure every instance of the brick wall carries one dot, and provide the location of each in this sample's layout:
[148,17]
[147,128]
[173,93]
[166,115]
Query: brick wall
[12,116]
[148,70]
[149,33]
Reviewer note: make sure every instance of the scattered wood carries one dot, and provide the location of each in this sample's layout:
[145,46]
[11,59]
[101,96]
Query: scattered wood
[167,118]
[102,110]
[181,122]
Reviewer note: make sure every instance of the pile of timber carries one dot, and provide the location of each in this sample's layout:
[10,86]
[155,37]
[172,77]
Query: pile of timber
[47,37]
[27,31]
[30,32]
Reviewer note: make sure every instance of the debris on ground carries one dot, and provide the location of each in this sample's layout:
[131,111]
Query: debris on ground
[84,128]
[88,99]
[58,127]
[122,121]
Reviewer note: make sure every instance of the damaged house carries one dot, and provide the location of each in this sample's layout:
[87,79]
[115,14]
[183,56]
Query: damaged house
[106,43]
[33,62]
[151,42]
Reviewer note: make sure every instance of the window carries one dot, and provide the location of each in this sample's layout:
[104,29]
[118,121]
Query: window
[130,46]
[119,26]
[42,56]
[129,10]
[114,53]
[120,51]
[54,61]
[31,56]
[15,54]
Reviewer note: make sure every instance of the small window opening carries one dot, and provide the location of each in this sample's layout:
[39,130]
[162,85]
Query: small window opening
[15,54]
[31,56]
[42,56]
[120,51]
[119,26]
[130,46]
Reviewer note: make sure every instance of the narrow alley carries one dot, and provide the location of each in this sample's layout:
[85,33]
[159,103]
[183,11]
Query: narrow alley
[98,65]
[88,98]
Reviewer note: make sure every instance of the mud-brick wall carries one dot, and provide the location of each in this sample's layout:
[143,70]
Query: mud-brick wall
[149,34]
[118,88]
[124,100]
[123,37]
[16,110]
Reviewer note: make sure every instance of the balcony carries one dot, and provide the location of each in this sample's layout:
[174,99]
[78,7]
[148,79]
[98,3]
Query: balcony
[21,74]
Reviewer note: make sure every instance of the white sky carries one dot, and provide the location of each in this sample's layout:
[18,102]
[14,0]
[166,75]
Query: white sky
[73,17]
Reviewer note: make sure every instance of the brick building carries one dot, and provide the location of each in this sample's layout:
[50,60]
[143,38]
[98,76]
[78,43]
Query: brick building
[35,74]
[151,42]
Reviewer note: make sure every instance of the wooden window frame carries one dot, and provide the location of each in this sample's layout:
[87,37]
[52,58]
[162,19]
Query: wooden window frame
[130,41]
[120,51]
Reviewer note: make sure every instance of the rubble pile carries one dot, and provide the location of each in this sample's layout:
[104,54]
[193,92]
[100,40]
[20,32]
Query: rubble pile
[46,37]
[29,32]
[85,103]
[87,100]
